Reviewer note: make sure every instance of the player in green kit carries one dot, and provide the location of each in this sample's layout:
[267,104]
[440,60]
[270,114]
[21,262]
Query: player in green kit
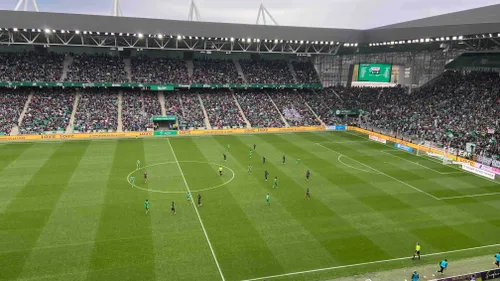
[249,169]
[251,153]
[268,200]
[138,165]
[132,180]
[275,182]
[146,204]
[228,146]
[298,161]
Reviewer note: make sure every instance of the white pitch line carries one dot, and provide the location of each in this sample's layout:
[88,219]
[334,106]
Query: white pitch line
[470,196]
[367,263]
[197,213]
[354,168]
[361,141]
[418,164]
[382,173]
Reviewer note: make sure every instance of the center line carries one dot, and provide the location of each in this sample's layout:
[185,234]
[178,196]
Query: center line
[197,213]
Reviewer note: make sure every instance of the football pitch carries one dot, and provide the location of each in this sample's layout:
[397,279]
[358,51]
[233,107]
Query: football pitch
[69,212]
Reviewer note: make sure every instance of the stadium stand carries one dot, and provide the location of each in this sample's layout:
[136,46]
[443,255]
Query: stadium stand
[266,72]
[97,111]
[324,103]
[31,66]
[259,110]
[49,111]
[158,70]
[97,68]
[305,72]
[213,71]
[293,108]
[11,106]
[137,109]
[192,113]
[222,110]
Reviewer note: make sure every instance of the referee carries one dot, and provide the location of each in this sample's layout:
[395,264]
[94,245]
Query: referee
[417,251]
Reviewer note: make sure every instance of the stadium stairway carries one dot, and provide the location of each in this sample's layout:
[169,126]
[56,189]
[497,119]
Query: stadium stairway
[68,60]
[128,68]
[15,130]
[292,70]
[207,122]
[240,70]
[120,102]
[275,106]
[69,128]
[338,96]
[161,99]
[190,68]
[314,113]
[241,111]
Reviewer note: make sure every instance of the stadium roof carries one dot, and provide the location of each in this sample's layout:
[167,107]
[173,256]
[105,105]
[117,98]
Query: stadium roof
[471,22]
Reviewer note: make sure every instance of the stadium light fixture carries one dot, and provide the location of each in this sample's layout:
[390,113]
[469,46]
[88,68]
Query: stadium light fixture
[179,37]
[355,44]
[140,35]
[47,30]
[62,31]
[90,32]
[77,31]
[461,37]
[190,37]
[447,38]
[331,42]
[112,34]
[15,29]
[232,39]
[27,30]
[281,41]
[209,38]
[160,36]
[258,40]
[427,40]
[249,40]
[85,32]
[454,38]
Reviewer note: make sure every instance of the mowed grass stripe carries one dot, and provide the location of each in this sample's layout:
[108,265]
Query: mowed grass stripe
[126,251]
[331,184]
[283,235]
[46,186]
[73,224]
[10,152]
[18,166]
[438,225]
[182,252]
[325,225]
[237,244]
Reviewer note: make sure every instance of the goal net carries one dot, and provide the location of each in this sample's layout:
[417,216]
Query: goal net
[441,153]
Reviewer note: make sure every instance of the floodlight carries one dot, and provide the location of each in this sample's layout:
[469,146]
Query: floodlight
[447,38]
[27,30]
[15,29]
[258,40]
[249,40]
[355,44]
[190,37]
[77,31]
[202,38]
[47,30]
[160,36]
[196,37]
[427,39]
[232,39]
[33,30]
[179,37]
[281,41]
[461,37]
[85,32]
[331,42]
[275,41]
[422,40]
[455,37]
[112,34]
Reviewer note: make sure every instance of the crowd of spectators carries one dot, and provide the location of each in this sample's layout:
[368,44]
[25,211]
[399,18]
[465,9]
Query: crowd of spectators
[138,107]
[31,67]
[267,72]
[325,103]
[259,110]
[213,71]
[158,70]
[455,109]
[97,69]
[293,108]
[11,105]
[49,110]
[305,72]
[222,110]
[192,114]
[97,111]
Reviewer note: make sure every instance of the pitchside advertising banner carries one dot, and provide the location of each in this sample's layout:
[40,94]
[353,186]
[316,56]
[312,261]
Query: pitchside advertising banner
[335,128]
[403,147]
[480,276]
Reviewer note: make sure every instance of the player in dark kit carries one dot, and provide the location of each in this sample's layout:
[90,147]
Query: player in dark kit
[308,174]
[145,177]
[199,199]
[224,156]
[264,160]
[266,174]
[172,210]
[284,159]
[254,147]
[308,194]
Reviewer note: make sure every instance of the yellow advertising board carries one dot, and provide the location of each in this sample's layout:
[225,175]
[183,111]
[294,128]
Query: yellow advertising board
[412,145]
[250,130]
[75,136]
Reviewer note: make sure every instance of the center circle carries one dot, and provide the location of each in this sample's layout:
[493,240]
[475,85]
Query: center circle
[155,172]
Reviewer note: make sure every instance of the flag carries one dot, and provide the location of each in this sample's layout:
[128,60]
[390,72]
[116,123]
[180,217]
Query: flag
[473,133]
[491,131]
[449,134]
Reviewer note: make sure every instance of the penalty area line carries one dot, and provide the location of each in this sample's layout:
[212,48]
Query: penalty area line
[367,263]
[197,213]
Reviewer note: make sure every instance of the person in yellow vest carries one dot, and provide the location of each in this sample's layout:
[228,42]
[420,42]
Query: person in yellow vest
[417,251]
[220,171]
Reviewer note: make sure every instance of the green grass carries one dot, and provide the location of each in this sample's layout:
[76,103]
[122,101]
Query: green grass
[67,211]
